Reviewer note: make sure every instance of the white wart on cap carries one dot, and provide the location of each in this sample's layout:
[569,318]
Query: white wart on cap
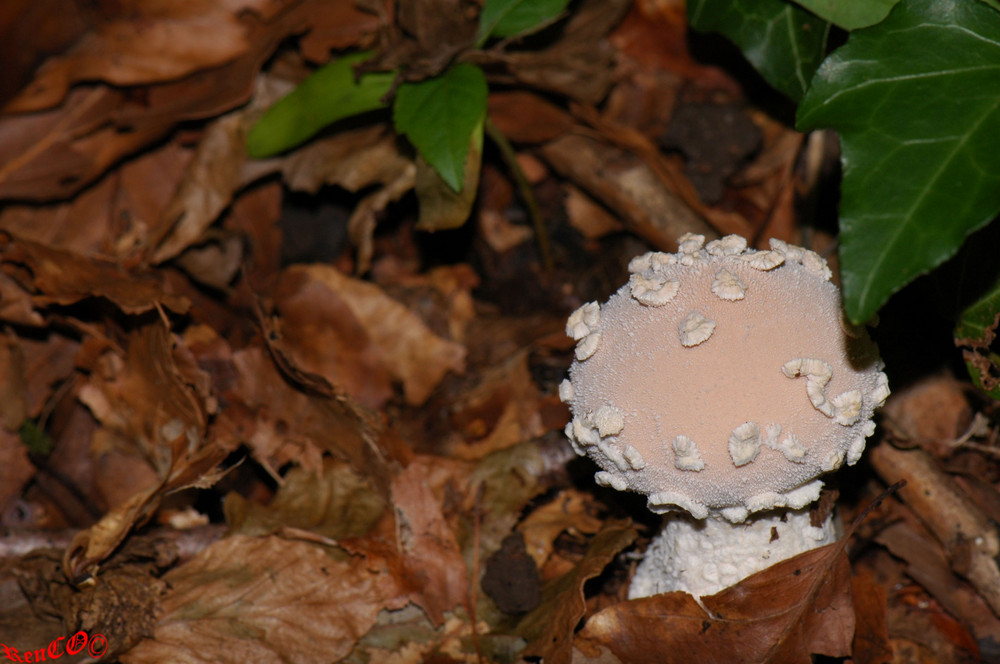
[721,379]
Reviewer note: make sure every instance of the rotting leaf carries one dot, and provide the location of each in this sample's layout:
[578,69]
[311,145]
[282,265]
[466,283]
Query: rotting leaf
[785,613]
[335,503]
[243,599]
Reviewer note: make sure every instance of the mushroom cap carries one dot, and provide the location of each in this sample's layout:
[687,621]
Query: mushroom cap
[722,379]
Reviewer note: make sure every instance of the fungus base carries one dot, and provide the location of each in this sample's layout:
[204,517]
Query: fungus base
[702,557]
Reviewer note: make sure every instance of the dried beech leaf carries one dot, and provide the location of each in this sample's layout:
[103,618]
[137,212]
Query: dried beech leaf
[62,277]
[431,555]
[256,599]
[156,402]
[324,310]
[785,613]
[146,43]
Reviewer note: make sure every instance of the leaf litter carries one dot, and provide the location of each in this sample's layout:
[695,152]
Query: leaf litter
[212,453]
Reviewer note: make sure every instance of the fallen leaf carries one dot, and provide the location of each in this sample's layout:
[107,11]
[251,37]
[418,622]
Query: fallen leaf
[785,613]
[323,310]
[336,503]
[146,42]
[242,600]
[62,277]
[15,468]
[549,628]
[431,555]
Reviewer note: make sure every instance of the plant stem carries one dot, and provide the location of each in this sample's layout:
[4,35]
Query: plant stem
[527,195]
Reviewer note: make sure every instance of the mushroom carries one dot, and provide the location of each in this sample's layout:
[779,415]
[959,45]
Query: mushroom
[721,382]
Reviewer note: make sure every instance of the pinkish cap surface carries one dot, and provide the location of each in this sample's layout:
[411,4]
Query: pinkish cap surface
[722,379]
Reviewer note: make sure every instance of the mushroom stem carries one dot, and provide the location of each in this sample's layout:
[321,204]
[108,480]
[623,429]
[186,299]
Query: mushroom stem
[703,556]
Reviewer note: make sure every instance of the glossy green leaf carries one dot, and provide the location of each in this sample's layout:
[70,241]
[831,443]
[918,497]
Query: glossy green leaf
[916,100]
[850,14]
[439,116]
[507,18]
[331,93]
[784,42]
[976,330]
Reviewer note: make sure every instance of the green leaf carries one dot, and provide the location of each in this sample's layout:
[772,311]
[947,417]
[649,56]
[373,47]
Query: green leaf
[976,330]
[850,14]
[916,100]
[439,115]
[441,207]
[331,93]
[782,41]
[506,18]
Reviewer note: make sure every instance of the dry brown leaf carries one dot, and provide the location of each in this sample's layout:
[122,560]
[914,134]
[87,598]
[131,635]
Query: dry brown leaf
[432,559]
[255,599]
[52,154]
[784,613]
[148,41]
[571,511]
[500,411]
[153,402]
[525,117]
[356,336]
[549,628]
[121,212]
[871,634]
[62,277]
[282,423]
[15,468]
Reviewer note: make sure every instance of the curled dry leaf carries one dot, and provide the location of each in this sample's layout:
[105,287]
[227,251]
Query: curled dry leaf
[786,613]
[359,338]
[549,628]
[15,468]
[148,42]
[54,276]
[298,602]
[153,402]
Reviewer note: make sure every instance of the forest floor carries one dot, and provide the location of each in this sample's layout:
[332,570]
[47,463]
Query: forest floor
[259,410]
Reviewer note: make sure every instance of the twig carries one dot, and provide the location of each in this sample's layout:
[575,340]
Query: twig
[970,542]
[527,194]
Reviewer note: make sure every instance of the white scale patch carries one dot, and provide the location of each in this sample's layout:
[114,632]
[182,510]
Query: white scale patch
[695,329]
[727,286]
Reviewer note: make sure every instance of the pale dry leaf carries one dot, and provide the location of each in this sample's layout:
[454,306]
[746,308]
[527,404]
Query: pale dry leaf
[255,599]
[388,338]
[431,555]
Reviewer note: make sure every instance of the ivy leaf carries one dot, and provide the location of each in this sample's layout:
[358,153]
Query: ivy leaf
[916,100]
[783,42]
[850,14]
[331,93]
[975,332]
[439,115]
[506,18]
